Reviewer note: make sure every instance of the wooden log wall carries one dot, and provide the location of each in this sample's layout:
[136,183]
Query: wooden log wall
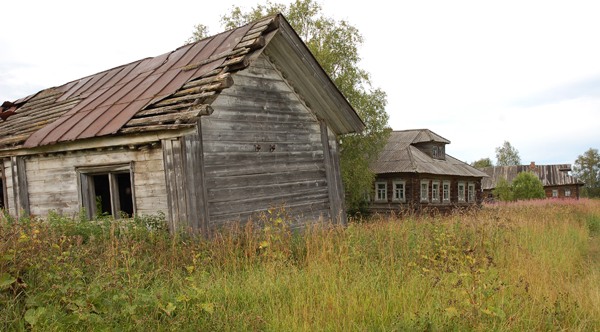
[413,193]
[185,185]
[51,180]
[263,148]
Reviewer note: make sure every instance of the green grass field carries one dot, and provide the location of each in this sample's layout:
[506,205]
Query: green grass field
[509,267]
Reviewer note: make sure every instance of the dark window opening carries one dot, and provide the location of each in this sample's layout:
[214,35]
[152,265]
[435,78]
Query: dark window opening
[125,197]
[102,194]
[107,191]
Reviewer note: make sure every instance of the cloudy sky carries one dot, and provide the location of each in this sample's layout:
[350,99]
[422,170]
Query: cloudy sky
[475,72]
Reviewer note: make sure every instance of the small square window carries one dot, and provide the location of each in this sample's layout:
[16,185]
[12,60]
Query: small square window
[107,190]
[567,192]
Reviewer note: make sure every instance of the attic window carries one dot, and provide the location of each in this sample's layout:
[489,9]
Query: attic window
[438,152]
[107,190]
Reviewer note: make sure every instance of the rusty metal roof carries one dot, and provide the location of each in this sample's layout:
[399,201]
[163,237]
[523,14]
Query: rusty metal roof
[158,93]
[166,92]
[550,175]
[108,100]
[402,155]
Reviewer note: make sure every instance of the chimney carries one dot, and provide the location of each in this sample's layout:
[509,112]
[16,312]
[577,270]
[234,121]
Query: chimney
[532,166]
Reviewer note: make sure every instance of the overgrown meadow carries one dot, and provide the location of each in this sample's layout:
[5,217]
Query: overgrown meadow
[506,267]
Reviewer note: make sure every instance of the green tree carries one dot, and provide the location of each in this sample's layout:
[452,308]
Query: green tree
[587,169]
[527,185]
[200,32]
[503,191]
[507,155]
[335,45]
[482,163]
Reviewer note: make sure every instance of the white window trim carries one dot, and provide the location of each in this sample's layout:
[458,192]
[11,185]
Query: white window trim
[426,199]
[377,199]
[434,192]
[554,193]
[446,199]
[567,192]
[461,196]
[471,193]
[403,183]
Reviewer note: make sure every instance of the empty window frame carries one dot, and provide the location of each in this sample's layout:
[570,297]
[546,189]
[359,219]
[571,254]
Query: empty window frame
[471,192]
[399,191]
[446,191]
[461,191]
[425,191]
[107,190]
[381,191]
[435,191]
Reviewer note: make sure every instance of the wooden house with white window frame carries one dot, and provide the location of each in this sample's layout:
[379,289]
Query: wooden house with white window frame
[413,173]
[213,132]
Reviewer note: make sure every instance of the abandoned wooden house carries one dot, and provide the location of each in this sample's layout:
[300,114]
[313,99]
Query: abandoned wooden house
[557,181]
[414,172]
[214,131]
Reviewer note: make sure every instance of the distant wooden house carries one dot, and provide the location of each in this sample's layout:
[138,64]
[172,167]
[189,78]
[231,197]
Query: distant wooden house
[212,132]
[557,181]
[414,172]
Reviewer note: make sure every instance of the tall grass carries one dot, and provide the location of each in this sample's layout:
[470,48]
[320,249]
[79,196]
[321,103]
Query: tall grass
[506,267]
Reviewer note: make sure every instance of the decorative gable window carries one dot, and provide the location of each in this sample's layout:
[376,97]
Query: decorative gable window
[381,191]
[471,192]
[461,191]
[446,191]
[424,191]
[435,191]
[107,190]
[399,191]
[434,153]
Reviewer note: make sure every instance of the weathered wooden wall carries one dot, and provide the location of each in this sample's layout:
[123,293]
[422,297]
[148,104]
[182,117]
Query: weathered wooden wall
[413,193]
[262,148]
[185,185]
[52,180]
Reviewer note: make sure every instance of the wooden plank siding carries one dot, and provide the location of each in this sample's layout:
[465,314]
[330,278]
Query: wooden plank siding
[263,148]
[52,182]
[185,184]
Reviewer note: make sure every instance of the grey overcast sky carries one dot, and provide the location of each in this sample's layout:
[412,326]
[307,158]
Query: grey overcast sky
[475,72]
